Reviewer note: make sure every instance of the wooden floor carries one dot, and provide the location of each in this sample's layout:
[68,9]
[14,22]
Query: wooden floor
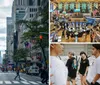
[80,39]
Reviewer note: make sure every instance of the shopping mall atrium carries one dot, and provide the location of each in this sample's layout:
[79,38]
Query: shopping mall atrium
[75,20]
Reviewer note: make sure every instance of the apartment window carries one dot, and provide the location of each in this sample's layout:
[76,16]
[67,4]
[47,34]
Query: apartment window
[24,2]
[31,2]
[38,1]
[30,9]
[18,2]
[32,15]
[36,9]
[39,8]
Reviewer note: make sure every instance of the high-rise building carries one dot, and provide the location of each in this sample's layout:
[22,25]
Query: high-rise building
[25,10]
[0,58]
[18,12]
[32,11]
[9,42]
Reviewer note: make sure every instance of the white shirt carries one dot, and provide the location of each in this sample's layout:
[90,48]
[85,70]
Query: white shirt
[59,71]
[93,70]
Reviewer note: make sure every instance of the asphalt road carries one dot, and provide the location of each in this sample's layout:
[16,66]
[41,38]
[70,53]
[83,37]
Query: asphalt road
[7,78]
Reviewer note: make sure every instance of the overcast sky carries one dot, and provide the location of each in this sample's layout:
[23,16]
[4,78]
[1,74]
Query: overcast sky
[5,11]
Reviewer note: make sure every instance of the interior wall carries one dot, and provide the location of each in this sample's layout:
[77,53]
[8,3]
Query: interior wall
[77,48]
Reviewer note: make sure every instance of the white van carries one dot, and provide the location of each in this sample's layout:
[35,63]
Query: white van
[33,70]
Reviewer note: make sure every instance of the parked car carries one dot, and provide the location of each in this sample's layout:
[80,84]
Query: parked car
[33,70]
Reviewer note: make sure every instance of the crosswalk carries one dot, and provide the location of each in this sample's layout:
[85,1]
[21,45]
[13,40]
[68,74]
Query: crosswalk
[20,82]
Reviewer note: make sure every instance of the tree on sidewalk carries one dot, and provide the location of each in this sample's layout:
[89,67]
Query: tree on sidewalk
[36,28]
[20,54]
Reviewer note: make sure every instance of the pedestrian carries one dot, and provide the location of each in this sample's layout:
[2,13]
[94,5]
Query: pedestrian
[67,34]
[72,68]
[45,76]
[17,73]
[58,72]
[84,64]
[63,34]
[93,76]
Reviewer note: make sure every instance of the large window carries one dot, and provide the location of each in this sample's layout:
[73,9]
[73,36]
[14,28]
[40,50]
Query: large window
[18,2]
[38,2]
[32,2]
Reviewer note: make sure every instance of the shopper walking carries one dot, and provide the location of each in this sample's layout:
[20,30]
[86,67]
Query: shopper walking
[17,73]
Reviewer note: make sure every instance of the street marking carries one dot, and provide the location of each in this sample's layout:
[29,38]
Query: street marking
[23,79]
[8,82]
[33,82]
[24,82]
[7,73]
[1,82]
[15,82]
[39,82]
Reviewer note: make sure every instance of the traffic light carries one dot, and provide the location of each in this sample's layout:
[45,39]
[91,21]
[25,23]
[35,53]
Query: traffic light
[41,37]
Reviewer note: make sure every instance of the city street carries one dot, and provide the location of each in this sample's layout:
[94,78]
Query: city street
[7,78]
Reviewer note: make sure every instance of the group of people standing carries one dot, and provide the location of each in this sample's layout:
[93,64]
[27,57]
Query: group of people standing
[61,74]
[96,11]
[95,33]
[74,67]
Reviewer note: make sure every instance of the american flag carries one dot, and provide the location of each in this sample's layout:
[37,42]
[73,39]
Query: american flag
[27,44]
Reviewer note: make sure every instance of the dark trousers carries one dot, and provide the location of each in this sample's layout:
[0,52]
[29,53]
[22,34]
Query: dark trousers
[96,83]
[17,76]
[45,80]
